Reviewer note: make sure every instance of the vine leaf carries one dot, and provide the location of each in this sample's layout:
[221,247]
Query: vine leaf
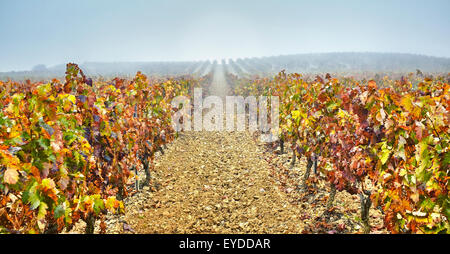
[11,176]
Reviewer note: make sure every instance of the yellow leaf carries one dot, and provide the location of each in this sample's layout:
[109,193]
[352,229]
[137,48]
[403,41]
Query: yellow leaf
[71,98]
[295,114]
[406,102]
[48,184]
[86,147]
[42,211]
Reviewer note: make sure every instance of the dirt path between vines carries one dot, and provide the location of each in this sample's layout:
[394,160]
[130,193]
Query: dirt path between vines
[229,182]
[226,182]
[215,182]
[219,84]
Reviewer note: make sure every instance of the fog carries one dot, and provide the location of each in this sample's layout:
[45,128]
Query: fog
[54,32]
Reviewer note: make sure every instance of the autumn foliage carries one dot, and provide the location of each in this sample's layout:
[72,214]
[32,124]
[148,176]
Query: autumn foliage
[66,149]
[387,142]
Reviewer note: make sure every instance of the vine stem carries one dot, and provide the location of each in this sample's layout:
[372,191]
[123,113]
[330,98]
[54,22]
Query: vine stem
[434,128]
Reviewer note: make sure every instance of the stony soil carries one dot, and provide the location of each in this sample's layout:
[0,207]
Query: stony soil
[228,182]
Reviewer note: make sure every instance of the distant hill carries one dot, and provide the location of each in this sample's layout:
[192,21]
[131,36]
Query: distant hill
[302,63]
[342,62]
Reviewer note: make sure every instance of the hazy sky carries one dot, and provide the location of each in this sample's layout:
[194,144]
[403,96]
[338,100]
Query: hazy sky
[54,32]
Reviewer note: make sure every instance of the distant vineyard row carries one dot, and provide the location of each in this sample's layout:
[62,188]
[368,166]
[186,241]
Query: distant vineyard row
[342,63]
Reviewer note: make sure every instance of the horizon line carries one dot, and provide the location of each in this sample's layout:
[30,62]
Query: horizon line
[219,60]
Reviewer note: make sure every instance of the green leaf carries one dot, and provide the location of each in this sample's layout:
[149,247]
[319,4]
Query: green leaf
[428,204]
[44,143]
[34,201]
[425,157]
[332,106]
[423,175]
[70,137]
[446,160]
[447,208]
[98,206]
[25,196]
[59,211]
[31,197]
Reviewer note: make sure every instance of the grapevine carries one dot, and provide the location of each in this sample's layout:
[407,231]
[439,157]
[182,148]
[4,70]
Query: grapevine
[66,148]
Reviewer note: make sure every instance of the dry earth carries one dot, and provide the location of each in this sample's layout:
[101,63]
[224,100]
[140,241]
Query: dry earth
[228,182]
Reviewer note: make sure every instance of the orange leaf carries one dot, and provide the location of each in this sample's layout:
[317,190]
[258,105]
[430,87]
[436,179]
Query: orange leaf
[372,84]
